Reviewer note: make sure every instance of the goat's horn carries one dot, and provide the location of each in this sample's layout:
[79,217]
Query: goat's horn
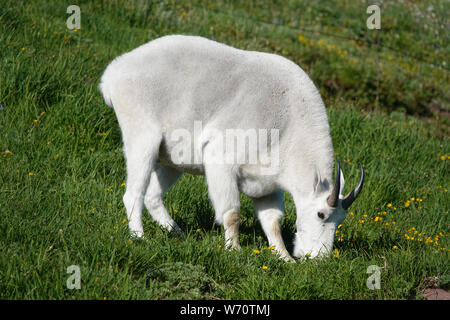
[334,196]
[349,198]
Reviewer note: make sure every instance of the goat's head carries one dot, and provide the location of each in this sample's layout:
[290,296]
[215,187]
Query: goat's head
[320,213]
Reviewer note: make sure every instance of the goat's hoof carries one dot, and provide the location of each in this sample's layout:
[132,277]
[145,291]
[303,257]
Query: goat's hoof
[177,232]
[289,259]
[137,234]
[232,247]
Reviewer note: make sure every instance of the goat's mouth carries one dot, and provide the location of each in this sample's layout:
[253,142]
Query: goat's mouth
[308,248]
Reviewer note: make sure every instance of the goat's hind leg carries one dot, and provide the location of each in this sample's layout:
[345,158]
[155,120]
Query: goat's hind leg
[141,150]
[161,180]
[224,194]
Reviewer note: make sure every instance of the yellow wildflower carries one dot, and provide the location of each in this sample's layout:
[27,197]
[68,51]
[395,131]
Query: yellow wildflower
[256,251]
[264,267]
[336,253]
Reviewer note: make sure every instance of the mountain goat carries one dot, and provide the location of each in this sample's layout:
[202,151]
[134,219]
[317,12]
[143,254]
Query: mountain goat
[177,98]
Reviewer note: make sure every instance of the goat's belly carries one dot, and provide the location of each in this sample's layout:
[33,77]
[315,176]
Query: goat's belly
[253,184]
[181,159]
[252,180]
[256,188]
[185,168]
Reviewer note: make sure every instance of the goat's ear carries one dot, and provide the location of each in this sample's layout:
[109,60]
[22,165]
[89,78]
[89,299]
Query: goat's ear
[317,180]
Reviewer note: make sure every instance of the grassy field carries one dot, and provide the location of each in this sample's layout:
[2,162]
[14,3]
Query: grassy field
[62,170]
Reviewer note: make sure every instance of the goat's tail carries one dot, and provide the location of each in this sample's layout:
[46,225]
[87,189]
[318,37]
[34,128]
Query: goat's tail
[106,85]
[103,87]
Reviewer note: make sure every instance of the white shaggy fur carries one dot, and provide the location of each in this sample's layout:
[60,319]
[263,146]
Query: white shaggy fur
[171,82]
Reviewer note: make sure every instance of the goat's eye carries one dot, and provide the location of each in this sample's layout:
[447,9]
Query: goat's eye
[320,215]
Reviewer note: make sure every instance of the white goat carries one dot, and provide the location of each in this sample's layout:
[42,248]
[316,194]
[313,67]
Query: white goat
[174,82]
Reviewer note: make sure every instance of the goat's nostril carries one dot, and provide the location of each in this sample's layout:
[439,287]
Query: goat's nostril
[320,215]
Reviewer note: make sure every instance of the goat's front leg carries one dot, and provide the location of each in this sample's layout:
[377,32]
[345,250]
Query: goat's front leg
[224,195]
[270,211]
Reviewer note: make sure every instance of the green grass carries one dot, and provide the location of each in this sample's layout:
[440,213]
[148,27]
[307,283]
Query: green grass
[62,168]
